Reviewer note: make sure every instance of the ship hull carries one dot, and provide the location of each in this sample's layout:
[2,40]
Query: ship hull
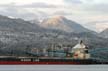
[35,63]
[74,62]
[46,61]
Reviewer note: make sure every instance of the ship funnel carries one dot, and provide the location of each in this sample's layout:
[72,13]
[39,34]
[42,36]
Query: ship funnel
[80,41]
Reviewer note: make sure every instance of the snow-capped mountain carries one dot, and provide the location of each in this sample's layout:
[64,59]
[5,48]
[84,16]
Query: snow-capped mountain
[17,35]
[62,23]
[13,24]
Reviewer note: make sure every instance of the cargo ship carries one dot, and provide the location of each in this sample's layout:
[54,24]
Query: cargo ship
[79,54]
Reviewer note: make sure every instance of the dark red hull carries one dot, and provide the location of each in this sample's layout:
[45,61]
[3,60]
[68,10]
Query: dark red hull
[34,63]
[46,61]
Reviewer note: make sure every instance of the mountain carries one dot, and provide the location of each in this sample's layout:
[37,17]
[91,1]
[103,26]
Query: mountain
[36,21]
[97,26]
[104,33]
[62,23]
[12,24]
[17,35]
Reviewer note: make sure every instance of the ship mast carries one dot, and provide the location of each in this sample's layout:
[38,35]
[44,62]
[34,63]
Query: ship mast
[52,49]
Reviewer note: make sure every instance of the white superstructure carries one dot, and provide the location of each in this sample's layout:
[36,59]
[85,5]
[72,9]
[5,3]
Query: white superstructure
[80,51]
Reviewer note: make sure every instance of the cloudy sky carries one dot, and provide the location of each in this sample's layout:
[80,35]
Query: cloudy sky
[92,14]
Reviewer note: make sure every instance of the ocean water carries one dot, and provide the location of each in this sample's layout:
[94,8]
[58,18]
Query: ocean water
[53,67]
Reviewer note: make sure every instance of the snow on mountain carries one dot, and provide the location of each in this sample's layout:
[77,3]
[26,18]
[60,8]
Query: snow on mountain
[62,23]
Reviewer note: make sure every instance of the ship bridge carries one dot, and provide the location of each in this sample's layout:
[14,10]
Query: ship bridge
[80,51]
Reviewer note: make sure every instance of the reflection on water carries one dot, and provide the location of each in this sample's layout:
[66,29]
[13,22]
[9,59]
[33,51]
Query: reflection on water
[53,67]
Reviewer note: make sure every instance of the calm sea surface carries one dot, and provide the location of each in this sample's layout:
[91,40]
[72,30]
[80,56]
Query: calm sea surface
[53,67]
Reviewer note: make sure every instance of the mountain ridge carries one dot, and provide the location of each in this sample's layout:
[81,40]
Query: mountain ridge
[104,33]
[64,24]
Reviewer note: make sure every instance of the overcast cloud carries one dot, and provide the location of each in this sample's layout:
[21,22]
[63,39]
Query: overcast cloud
[83,11]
